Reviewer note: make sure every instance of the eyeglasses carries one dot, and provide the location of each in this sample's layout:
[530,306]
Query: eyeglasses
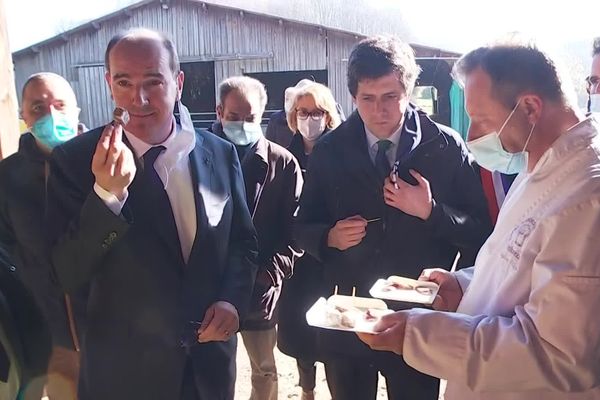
[315,115]
[593,82]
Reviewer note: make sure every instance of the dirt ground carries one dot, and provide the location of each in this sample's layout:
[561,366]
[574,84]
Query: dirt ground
[288,378]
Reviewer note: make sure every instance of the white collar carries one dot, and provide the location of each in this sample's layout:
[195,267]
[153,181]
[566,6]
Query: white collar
[178,145]
[576,137]
[372,139]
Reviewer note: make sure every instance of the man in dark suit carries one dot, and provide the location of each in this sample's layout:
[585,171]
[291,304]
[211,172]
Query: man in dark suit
[362,226]
[160,229]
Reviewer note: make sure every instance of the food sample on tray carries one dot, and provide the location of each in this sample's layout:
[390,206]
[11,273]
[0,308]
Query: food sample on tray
[402,289]
[348,313]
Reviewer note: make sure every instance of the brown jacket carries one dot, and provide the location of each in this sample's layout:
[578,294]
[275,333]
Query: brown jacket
[273,185]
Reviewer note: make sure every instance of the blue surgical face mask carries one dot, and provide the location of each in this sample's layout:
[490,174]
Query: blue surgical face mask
[595,103]
[242,133]
[490,154]
[54,128]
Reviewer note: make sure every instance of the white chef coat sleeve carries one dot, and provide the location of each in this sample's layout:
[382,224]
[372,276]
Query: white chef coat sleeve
[464,277]
[552,342]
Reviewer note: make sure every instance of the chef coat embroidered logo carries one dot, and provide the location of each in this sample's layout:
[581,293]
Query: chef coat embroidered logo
[517,238]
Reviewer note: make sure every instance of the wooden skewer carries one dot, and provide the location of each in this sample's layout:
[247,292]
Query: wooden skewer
[353,291]
[455,263]
[335,290]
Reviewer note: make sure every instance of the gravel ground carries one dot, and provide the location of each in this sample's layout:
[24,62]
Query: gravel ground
[288,378]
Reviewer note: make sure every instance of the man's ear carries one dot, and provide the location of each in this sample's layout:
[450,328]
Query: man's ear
[180,79]
[533,106]
[108,79]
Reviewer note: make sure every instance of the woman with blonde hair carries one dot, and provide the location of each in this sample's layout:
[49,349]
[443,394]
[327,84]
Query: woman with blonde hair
[312,114]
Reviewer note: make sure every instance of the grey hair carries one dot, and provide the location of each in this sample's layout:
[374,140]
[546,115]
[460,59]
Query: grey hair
[596,47]
[244,85]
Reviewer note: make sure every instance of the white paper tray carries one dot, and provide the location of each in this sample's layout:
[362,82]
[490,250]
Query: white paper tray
[315,316]
[424,292]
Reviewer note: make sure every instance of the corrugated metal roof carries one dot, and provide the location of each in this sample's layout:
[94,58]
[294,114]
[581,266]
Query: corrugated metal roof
[337,15]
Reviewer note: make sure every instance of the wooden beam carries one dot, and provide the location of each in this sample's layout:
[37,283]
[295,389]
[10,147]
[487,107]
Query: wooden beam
[9,114]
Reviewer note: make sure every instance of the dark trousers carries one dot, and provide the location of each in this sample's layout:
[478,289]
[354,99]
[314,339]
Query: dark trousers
[211,373]
[356,380]
[188,385]
[307,371]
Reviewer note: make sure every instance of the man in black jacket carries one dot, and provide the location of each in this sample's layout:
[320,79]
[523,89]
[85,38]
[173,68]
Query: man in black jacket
[25,341]
[49,109]
[363,226]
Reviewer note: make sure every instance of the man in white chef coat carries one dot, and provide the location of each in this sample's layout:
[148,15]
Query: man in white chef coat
[523,323]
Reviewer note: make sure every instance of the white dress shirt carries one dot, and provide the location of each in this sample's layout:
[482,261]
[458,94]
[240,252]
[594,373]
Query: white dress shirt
[173,168]
[392,151]
[527,326]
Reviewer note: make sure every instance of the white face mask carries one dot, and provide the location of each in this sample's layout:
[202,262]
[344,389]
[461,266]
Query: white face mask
[242,133]
[490,154]
[310,129]
[595,103]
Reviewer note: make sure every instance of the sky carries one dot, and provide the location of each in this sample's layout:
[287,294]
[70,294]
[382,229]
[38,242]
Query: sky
[457,25]
[567,28]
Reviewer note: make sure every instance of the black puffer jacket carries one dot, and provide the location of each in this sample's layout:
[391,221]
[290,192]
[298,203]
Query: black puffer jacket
[342,181]
[25,341]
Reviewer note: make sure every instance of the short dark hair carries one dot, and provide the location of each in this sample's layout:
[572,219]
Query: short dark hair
[514,68]
[144,33]
[596,47]
[378,56]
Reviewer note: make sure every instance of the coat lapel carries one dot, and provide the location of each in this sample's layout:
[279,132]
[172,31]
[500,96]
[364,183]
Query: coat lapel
[355,156]
[256,169]
[203,180]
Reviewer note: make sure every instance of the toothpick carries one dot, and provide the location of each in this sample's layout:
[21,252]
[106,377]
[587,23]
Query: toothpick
[335,290]
[455,262]
[353,291]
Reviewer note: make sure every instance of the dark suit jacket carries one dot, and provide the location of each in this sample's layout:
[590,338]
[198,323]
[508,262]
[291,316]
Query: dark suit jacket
[342,181]
[141,294]
[278,130]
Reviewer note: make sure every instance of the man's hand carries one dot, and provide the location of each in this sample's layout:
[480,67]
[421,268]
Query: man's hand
[450,293]
[347,233]
[412,200]
[113,163]
[219,323]
[390,333]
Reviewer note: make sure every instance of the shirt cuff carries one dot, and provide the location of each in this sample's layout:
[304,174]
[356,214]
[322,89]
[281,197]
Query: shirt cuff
[110,200]
[464,277]
[435,343]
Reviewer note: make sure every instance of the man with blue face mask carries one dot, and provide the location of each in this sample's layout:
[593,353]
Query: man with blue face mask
[273,182]
[49,108]
[522,323]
